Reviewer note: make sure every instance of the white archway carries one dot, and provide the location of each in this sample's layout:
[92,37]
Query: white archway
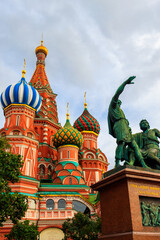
[52,234]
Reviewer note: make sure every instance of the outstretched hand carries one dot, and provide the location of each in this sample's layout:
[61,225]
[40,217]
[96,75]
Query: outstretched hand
[129,80]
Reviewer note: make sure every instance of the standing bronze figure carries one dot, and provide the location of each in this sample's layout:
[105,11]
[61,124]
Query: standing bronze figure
[119,127]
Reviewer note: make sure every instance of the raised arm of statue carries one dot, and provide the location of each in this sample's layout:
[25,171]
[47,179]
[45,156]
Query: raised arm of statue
[120,89]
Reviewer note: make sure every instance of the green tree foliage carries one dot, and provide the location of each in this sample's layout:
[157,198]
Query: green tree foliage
[81,227]
[23,231]
[12,205]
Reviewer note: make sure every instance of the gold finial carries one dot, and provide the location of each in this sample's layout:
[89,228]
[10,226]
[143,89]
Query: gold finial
[42,40]
[67,111]
[24,71]
[85,104]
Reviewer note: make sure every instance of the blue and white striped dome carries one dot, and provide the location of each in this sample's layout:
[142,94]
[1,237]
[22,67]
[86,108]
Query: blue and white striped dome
[21,93]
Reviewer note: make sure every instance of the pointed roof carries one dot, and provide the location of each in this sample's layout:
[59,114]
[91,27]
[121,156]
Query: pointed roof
[39,79]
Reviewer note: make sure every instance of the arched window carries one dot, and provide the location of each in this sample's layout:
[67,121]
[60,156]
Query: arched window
[16,132]
[3,134]
[80,207]
[41,170]
[49,171]
[50,204]
[29,134]
[61,204]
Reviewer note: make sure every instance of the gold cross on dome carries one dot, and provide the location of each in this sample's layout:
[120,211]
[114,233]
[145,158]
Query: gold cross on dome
[24,71]
[68,111]
[85,103]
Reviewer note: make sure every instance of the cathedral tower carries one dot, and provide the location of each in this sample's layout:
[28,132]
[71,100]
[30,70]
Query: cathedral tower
[68,141]
[91,158]
[20,102]
[46,121]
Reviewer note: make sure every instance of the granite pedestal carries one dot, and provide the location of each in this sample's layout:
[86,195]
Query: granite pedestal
[122,192]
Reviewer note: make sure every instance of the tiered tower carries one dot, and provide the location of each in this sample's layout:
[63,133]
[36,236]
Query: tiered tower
[46,121]
[20,102]
[91,158]
[68,141]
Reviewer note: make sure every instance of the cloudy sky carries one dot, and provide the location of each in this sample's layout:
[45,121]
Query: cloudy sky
[94,45]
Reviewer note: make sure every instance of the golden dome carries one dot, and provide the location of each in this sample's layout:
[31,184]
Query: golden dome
[41,48]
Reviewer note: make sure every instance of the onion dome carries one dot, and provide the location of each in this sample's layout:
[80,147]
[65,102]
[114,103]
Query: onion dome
[41,48]
[21,93]
[86,122]
[67,135]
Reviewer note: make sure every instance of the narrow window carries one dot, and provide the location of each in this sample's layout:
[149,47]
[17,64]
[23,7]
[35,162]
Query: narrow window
[42,171]
[28,166]
[8,121]
[49,172]
[27,123]
[17,124]
[70,181]
[87,144]
[68,154]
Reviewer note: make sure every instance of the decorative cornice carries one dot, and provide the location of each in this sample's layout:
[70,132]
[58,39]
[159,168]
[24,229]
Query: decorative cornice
[45,121]
[22,137]
[68,146]
[20,105]
[91,132]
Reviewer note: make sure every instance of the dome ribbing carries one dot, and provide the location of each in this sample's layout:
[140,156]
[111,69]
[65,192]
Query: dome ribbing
[21,93]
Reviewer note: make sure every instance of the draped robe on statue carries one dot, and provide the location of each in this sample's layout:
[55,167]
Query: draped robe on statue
[117,123]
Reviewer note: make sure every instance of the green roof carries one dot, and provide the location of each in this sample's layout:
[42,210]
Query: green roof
[58,193]
[46,159]
[65,162]
[61,186]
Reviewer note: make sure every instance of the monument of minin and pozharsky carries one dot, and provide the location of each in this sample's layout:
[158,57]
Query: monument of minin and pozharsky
[130,194]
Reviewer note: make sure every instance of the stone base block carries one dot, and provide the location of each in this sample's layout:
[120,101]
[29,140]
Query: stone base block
[130,204]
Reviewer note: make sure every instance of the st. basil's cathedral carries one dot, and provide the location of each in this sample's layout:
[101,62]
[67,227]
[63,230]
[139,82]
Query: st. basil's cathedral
[60,163]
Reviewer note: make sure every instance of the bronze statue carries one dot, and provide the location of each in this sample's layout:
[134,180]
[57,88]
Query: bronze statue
[149,144]
[119,127]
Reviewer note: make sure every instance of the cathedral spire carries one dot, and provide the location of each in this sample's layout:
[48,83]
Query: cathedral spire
[40,82]
[39,79]
[85,103]
[67,111]
[24,71]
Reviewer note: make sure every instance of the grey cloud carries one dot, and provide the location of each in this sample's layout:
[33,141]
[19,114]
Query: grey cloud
[93,46]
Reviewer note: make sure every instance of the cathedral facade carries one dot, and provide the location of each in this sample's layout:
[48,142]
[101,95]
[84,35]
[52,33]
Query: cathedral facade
[60,163]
